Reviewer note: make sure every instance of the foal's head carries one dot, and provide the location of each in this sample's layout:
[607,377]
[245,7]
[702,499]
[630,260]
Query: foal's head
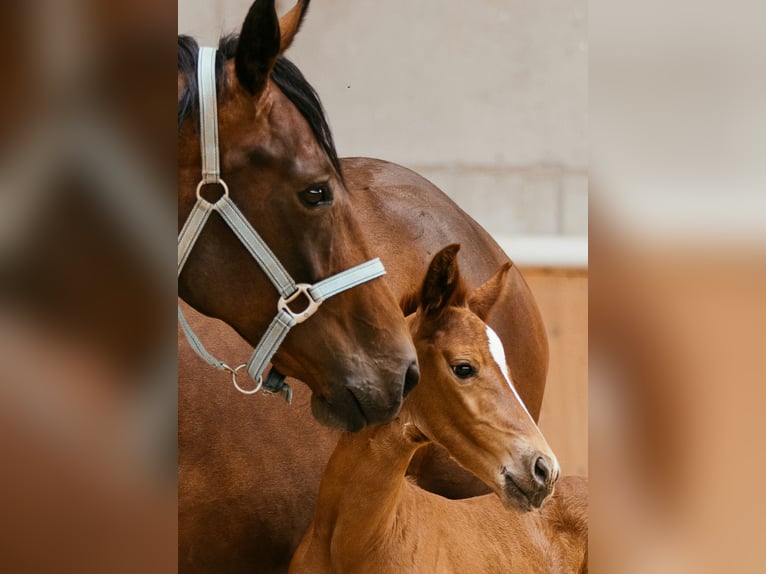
[466,400]
[278,159]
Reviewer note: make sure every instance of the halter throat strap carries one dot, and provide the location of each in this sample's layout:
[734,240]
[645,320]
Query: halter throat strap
[289,291]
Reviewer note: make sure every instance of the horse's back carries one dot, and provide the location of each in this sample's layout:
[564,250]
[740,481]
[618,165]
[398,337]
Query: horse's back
[406,220]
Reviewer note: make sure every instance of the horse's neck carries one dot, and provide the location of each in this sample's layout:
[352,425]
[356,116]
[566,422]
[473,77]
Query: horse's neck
[364,481]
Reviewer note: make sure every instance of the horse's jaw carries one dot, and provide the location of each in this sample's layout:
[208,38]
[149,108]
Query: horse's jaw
[347,419]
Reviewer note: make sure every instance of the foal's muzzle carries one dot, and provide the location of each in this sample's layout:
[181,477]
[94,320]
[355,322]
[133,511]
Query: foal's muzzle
[531,488]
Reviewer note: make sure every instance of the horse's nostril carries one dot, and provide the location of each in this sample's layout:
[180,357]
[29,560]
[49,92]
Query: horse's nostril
[411,378]
[542,471]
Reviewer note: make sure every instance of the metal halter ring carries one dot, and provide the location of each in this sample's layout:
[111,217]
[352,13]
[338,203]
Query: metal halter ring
[311,308]
[202,183]
[234,380]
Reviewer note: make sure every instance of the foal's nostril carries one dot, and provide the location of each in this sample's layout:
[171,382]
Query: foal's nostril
[542,471]
[411,378]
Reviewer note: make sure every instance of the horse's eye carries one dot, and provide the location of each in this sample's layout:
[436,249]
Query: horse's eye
[316,195]
[464,370]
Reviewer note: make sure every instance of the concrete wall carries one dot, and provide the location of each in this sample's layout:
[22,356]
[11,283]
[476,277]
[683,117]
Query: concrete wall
[487,98]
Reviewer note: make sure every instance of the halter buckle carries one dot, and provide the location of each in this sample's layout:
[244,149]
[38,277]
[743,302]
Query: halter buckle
[299,316]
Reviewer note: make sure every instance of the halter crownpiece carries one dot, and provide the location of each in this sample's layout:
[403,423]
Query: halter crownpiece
[289,291]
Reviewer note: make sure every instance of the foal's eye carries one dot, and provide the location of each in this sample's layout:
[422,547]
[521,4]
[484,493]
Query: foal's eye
[464,370]
[317,195]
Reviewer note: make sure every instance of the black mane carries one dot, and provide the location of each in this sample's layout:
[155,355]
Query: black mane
[285,75]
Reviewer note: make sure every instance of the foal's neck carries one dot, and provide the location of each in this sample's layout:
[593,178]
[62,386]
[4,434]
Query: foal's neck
[365,478]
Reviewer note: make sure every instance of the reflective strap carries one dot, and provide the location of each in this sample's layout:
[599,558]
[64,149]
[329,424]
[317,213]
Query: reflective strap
[197,345]
[347,279]
[275,381]
[268,345]
[255,245]
[208,112]
[191,230]
[280,326]
[285,320]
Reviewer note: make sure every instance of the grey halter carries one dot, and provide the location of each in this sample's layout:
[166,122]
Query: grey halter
[288,289]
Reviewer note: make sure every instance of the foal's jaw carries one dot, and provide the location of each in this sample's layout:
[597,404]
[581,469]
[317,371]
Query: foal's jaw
[519,469]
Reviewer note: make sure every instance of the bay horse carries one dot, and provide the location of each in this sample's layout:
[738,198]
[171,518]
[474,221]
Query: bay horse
[285,178]
[370,518]
[270,141]
[321,216]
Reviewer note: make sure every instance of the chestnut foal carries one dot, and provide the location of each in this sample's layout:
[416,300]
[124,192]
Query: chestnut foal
[371,518]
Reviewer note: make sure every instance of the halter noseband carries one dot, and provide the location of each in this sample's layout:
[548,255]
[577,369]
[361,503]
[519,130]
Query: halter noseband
[288,289]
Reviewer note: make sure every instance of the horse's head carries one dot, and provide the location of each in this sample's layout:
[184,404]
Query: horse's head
[466,400]
[278,159]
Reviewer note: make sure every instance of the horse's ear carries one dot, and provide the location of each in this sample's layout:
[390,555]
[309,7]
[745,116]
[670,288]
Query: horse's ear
[263,38]
[443,285]
[484,298]
[290,23]
[258,46]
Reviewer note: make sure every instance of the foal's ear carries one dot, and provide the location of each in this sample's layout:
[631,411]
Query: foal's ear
[443,284]
[260,42]
[484,298]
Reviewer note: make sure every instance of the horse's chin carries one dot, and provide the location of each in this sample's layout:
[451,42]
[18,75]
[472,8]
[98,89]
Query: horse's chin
[351,420]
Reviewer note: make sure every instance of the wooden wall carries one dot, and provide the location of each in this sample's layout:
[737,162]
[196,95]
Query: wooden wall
[562,295]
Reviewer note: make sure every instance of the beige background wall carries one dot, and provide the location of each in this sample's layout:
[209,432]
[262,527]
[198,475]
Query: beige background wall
[487,99]
[562,295]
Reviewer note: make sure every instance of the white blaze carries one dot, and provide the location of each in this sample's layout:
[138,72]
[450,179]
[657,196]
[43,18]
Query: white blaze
[498,354]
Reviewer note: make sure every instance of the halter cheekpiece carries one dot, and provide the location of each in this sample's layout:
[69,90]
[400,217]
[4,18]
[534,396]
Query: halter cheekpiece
[289,291]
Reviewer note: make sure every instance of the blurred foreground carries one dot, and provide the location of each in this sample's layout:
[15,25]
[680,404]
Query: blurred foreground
[677,338]
[87,226]
[678,287]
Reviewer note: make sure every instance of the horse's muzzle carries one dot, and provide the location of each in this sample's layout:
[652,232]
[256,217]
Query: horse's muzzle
[361,402]
[377,408]
[532,488]
[411,378]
